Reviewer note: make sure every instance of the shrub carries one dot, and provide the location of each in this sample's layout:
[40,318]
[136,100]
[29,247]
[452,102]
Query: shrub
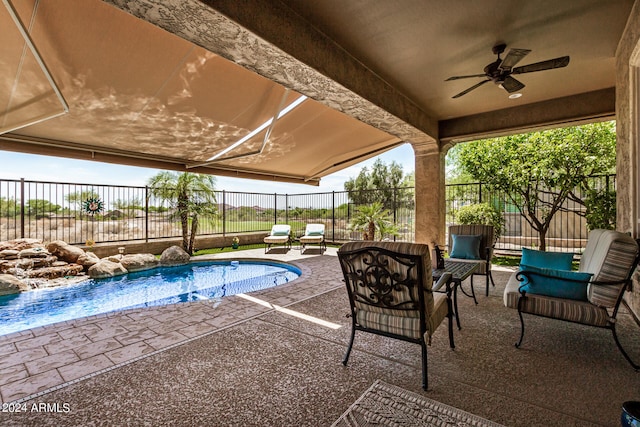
[481,213]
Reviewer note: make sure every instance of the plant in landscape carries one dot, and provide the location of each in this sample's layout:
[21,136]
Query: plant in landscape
[192,195]
[386,183]
[481,213]
[371,218]
[540,171]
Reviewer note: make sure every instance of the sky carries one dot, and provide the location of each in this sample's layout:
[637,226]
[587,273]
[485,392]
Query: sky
[58,169]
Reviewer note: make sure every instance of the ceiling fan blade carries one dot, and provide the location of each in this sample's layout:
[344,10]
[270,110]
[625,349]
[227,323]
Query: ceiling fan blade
[464,92]
[512,85]
[513,57]
[549,64]
[465,77]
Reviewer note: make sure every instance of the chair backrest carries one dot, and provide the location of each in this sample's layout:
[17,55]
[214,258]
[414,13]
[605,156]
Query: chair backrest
[314,230]
[281,230]
[392,278]
[486,231]
[610,256]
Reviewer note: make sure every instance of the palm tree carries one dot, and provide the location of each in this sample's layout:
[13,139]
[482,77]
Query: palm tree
[369,218]
[190,194]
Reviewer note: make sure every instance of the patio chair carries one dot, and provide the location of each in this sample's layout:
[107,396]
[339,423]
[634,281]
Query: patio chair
[391,293]
[313,235]
[545,285]
[473,243]
[280,235]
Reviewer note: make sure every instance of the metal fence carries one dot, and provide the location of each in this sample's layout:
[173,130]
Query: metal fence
[60,211]
[567,232]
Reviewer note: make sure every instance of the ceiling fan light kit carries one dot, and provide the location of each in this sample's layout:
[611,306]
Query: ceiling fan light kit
[500,71]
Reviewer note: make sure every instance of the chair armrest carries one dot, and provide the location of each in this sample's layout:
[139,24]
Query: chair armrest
[445,279]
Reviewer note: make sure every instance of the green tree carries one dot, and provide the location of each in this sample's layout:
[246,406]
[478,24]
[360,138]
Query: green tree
[77,198]
[41,206]
[192,195]
[538,171]
[378,185]
[371,218]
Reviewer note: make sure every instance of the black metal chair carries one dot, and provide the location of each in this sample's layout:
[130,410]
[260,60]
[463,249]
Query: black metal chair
[391,293]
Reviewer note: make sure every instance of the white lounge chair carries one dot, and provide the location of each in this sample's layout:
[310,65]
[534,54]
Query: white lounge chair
[280,235]
[313,235]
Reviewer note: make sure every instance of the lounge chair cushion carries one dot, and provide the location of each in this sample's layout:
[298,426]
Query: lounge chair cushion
[542,259]
[556,283]
[466,246]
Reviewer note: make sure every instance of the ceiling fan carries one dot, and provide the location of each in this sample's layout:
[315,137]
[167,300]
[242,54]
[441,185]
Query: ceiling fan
[500,70]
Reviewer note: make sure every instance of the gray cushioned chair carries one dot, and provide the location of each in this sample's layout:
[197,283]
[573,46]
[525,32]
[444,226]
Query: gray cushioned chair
[391,293]
[485,250]
[610,257]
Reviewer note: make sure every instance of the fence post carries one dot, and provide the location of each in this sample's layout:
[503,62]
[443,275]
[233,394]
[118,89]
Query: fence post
[224,213]
[333,216]
[286,208]
[395,210]
[480,193]
[146,213]
[275,208]
[22,208]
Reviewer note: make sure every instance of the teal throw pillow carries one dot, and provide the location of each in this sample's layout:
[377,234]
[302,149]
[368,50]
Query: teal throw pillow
[465,246]
[555,283]
[315,233]
[542,259]
[280,233]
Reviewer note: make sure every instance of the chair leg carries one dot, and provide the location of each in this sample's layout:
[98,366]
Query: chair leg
[425,377]
[624,353]
[487,282]
[521,329]
[345,359]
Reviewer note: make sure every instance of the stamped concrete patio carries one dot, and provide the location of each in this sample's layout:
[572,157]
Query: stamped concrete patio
[272,358]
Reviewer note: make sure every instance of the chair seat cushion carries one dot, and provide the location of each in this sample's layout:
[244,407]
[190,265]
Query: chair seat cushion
[403,325]
[466,246]
[312,239]
[557,308]
[276,239]
[555,283]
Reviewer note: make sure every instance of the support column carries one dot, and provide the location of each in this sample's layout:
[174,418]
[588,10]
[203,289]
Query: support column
[430,194]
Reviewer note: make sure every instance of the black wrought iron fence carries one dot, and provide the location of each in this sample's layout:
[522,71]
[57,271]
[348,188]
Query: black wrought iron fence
[568,230]
[77,213]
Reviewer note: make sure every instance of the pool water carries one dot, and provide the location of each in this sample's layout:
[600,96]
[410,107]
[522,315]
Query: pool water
[160,286]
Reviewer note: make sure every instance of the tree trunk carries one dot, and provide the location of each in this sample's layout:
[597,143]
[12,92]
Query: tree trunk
[543,239]
[372,231]
[194,229]
[184,221]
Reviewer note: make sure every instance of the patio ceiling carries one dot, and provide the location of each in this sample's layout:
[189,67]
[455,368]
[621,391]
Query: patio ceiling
[180,84]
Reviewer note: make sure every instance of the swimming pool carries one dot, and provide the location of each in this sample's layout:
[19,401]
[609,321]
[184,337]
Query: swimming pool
[160,286]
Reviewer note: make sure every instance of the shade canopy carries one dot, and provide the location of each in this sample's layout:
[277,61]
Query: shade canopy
[289,90]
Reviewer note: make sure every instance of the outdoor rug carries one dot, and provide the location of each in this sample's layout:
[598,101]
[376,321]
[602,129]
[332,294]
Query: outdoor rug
[387,405]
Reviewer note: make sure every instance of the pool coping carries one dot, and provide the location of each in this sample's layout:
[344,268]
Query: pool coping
[44,359]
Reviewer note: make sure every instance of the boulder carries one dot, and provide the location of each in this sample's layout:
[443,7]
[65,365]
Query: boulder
[12,285]
[139,262]
[33,253]
[174,255]
[9,254]
[55,272]
[88,259]
[106,268]
[65,251]
[20,244]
